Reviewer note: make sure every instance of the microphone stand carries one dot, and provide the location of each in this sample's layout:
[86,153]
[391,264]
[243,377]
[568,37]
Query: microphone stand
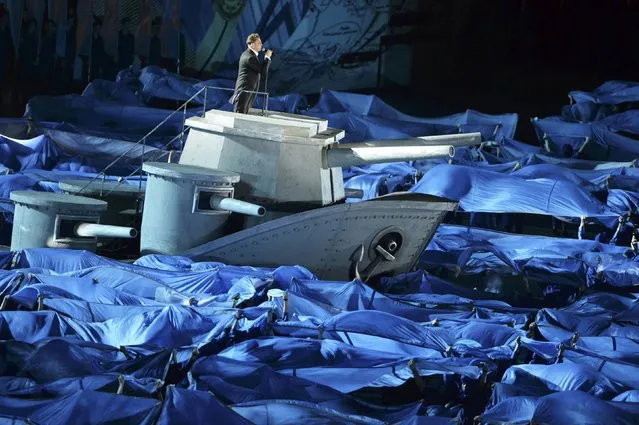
[264,105]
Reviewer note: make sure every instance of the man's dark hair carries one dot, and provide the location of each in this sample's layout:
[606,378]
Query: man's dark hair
[252,37]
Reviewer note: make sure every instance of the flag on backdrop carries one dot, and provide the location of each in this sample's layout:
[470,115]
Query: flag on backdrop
[15,8]
[84,31]
[110,26]
[171,29]
[143,33]
[58,14]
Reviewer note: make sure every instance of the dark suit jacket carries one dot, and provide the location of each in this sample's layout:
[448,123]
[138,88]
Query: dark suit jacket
[249,72]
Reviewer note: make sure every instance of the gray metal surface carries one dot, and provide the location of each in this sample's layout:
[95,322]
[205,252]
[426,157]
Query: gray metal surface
[193,173]
[99,188]
[57,200]
[272,124]
[323,138]
[327,240]
[322,124]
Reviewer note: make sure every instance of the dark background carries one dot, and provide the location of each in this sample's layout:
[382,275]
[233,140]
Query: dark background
[494,56]
[523,56]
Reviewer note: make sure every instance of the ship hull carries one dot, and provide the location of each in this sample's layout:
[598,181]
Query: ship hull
[383,236]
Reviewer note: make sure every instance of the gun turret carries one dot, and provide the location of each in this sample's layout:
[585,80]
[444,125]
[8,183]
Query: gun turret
[292,162]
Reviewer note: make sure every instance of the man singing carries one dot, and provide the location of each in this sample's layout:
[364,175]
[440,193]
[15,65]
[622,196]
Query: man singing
[248,76]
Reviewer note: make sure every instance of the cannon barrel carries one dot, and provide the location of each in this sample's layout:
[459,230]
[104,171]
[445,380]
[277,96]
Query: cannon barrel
[237,206]
[378,151]
[104,231]
[356,154]
[457,140]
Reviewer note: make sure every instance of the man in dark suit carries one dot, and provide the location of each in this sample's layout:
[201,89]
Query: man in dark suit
[248,76]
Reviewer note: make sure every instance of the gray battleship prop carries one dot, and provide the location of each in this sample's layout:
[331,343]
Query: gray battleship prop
[257,189]
[291,165]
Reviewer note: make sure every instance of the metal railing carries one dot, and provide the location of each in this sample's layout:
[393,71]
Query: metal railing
[163,153]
